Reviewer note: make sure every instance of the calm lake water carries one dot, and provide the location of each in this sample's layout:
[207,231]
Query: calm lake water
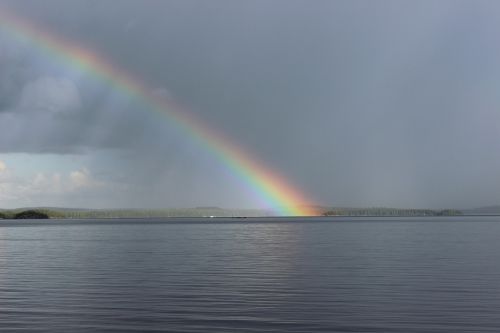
[254,275]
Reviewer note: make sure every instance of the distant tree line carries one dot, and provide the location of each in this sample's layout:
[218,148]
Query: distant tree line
[159,213]
[207,212]
[133,213]
[382,211]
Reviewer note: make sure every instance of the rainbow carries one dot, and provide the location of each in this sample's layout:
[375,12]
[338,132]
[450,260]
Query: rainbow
[261,181]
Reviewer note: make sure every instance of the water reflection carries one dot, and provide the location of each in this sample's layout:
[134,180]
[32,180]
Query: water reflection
[251,277]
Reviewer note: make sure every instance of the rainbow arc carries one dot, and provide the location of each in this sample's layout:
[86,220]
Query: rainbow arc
[268,185]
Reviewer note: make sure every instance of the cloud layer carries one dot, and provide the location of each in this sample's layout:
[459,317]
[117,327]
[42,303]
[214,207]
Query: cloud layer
[46,189]
[388,103]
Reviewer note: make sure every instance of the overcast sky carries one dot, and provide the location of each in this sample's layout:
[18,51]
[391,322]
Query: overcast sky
[356,103]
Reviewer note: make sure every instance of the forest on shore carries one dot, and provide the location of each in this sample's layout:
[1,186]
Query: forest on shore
[65,213]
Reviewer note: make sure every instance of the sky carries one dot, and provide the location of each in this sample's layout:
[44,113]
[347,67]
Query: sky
[354,103]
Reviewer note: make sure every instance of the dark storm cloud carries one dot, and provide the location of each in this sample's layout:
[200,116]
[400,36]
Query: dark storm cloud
[360,103]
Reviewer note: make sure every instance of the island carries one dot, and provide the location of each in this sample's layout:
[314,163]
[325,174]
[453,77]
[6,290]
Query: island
[24,215]
[30,214]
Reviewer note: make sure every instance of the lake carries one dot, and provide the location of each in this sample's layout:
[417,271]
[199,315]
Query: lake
[251,275]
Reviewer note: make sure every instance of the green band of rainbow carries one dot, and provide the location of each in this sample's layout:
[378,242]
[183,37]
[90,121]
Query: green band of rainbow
[267,185]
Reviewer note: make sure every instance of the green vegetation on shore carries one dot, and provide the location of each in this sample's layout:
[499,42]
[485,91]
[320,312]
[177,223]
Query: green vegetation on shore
[30,214]
[382,211]
[18,214]
[65,213]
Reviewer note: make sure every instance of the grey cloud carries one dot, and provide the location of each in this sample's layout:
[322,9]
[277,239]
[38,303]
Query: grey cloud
[50,95]
[15,70]
[358,103]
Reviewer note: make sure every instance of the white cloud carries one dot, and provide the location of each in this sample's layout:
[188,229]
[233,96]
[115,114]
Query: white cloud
[21,191]
[82,179]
